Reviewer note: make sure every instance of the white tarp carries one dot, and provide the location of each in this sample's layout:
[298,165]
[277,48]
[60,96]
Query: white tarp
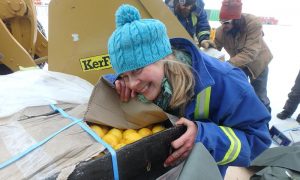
[40,87]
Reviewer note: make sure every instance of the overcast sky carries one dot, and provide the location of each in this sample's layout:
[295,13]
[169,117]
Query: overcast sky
[283,10]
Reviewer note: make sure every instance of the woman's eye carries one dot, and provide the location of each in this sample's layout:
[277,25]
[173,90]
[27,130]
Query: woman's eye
[137,71]
[126,79]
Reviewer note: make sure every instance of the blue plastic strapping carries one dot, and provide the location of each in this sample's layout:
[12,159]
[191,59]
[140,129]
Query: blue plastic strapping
[75,121]
[95,136]
[33,147]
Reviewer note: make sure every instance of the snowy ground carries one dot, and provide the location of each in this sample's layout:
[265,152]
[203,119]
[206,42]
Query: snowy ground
[284,67]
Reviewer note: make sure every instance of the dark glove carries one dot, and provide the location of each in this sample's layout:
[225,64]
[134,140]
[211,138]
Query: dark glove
[207,44]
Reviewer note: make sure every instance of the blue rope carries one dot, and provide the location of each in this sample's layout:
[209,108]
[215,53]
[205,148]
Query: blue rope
[33,147]
[95,136]
[75,121]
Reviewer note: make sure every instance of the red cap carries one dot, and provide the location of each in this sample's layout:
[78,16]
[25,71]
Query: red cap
[231,9]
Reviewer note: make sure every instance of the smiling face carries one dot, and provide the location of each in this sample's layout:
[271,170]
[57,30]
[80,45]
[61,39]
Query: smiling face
[147,80]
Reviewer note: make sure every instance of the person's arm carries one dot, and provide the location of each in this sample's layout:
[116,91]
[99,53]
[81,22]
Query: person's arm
[202,27]
[242,131]
[184,144]
[219,39]
[252,45]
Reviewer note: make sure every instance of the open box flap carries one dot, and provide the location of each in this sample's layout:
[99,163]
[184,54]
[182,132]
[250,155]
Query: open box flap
[105,108]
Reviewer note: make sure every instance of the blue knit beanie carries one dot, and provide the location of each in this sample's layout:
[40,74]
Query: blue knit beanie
[136,42]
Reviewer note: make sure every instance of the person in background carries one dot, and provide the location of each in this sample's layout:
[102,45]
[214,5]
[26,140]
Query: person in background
[212,98]
[193,18]
[293,101]
[241,35]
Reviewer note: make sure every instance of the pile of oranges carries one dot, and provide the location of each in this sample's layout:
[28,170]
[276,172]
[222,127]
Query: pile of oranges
[117,138]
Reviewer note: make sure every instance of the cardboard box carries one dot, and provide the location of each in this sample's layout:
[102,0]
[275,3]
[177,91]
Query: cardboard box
[32,125]
[140,160]
[105,108]
[70,154]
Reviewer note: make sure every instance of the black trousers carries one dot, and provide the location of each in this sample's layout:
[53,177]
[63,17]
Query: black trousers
[293,97]
[260,86]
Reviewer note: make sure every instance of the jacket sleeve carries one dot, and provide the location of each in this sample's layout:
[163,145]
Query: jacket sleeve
[110,78]
[237,131]
[219,38]
[252,46]
[202,27]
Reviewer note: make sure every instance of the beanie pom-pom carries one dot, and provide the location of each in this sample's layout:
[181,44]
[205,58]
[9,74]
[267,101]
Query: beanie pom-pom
[127,14]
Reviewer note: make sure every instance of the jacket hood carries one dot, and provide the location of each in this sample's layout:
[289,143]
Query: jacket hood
[202,77]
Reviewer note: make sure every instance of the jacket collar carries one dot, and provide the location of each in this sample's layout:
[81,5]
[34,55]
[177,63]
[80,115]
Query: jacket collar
[202,76]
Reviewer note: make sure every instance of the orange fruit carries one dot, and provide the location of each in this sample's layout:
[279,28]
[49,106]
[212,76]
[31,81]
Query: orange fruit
[118,146]
[145,132]
[128,131]
[110,139]
[98,130]
[132,137]
[116,132]
[158,128]
[104,128]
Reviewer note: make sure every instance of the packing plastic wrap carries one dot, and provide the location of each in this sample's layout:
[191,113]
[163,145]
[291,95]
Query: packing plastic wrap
[40,87]
[32,125]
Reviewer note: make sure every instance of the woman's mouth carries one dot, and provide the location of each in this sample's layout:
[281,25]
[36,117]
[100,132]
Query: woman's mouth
[144,89]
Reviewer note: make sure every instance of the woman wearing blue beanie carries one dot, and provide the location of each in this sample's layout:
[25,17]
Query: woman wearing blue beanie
[212,98]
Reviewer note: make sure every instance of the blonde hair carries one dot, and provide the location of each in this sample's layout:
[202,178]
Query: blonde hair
[182,81]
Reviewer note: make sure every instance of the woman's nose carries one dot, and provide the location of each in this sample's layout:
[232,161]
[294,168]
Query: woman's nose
[133,82]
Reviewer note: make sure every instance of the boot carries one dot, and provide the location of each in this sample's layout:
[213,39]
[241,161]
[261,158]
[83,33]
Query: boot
[298,118]
[284,115]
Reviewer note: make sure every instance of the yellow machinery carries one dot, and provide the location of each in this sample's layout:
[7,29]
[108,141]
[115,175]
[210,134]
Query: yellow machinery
[79,31]
[20,39]
[78,34]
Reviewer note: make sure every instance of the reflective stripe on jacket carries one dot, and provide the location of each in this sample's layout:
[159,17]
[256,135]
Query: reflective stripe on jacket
[202,112]
[197,23]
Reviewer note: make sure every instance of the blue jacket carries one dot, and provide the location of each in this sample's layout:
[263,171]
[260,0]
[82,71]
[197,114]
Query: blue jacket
[236,129]
[197,23]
